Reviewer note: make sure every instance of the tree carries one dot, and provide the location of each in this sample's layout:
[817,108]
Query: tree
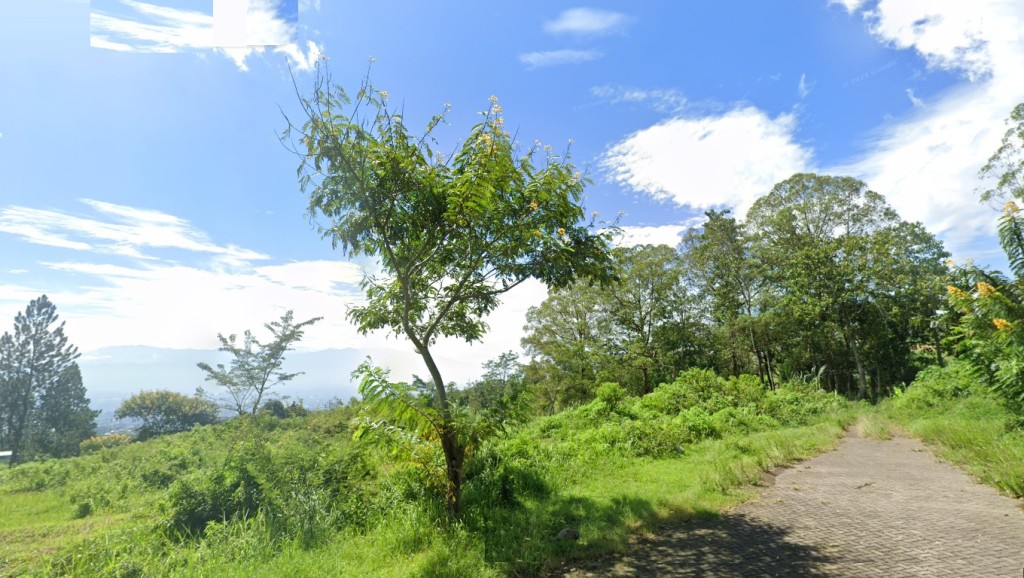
[843,269]
[161,412]
[32,363]
[653,328]
[256,367]
[567,335]
[1006,165]
[64,418]
[452,234]
[720,264]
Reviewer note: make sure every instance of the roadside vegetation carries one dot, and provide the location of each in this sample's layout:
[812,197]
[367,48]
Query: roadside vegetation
[266,496]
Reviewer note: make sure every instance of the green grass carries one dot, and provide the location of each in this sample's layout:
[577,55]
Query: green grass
[318,503]
[949,410]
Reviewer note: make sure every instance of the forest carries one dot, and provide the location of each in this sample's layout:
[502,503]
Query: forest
[657,384]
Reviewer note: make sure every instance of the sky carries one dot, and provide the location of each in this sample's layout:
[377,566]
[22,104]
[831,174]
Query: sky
[145,190]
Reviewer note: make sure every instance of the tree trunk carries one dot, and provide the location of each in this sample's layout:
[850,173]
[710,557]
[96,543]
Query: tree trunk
[862,382]
[454,451]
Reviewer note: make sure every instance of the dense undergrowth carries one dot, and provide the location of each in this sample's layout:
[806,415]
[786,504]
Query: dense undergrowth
[298,496]
[969,425]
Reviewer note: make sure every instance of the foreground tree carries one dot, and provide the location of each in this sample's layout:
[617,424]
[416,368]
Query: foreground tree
[161,412]
[37,365]
[256,367]
[452,234]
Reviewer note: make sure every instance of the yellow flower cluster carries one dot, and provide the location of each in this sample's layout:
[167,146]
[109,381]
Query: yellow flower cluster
[1011,208]
[533,206]
[985,290]
[956,291]
[1002,325]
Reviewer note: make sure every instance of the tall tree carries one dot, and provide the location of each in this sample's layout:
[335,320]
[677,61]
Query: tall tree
[32,363]
[651,315]
[721,266]
[567,334]
[256,367]
[452,234]
[842,267]
[64,418]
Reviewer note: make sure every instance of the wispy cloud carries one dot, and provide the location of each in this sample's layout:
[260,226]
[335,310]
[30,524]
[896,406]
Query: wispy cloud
[587,21]
[804,87]
[917,102]
[558,57]
[120,230]
[236,28]
[661,100]
[712,161]
[181,295]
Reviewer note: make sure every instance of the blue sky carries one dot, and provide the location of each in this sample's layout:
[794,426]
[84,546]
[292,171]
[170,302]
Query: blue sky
[143,187]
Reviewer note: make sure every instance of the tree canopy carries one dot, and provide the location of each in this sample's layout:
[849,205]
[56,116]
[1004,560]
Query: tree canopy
[451,233]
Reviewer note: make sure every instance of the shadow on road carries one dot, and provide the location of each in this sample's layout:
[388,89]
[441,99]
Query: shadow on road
[733,545]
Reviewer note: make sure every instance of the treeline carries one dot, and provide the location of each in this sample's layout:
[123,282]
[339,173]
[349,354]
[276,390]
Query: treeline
[822,281]
[44,410]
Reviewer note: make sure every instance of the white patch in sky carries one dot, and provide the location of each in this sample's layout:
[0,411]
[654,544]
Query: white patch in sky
[661,100]
[670,235]
[587,21]
[235,28]
[803,87]
[724,160]
[850,5]
[120,230]
[557,57]
[917,102]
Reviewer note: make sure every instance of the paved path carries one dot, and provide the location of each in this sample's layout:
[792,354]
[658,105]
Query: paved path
[869,508]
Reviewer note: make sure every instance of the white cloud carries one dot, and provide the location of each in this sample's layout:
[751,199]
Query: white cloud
[147,27]
[124,231]
[557,57]
[850,5]
[670,235]
[803,88]
[713,161]
[927,163]
[587,21]
[185,302]
[970,37]
[917,102]
[662,100]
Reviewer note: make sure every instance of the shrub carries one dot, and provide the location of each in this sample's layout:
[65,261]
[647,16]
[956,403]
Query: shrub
[97,443]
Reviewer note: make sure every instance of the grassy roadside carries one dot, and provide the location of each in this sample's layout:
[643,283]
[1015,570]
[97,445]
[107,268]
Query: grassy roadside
[611,469]
[949,410]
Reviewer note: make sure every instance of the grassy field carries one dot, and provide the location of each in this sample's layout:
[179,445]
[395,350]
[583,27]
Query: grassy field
[300,497]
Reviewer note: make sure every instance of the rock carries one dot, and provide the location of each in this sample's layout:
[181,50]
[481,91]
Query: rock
[568,534]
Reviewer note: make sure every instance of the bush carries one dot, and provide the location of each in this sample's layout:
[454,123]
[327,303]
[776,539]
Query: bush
[97,443]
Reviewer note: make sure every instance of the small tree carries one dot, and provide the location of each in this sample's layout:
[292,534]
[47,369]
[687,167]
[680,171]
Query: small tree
[256,367]
[161,412]
[452,234]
